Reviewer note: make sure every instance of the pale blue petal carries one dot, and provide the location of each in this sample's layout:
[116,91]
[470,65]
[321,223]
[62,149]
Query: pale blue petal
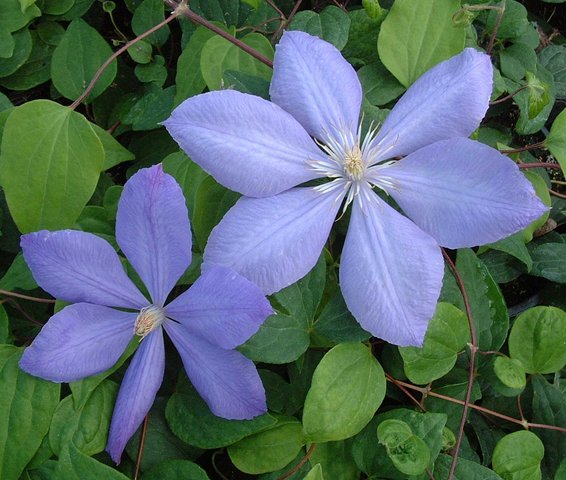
[153,231]
[390,272]
[448,101]
[315,84]
[274,241]
[137,392]
[246,143]
[226,380]
[222,307]
[79,341]
[464,193]
[79,267]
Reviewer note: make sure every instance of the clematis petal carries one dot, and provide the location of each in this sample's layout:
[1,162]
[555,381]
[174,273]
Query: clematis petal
[315,84]
[464,193]
[390,272]
[79,341]
[226,380]
[79,267]
[222,307]
[137,392]
[153,231]
[448,101]
[246,143]
[274,241]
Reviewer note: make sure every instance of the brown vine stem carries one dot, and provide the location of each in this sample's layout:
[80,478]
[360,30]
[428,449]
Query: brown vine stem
[532,146]
[556,194]
[553,166]
[473,348]
[487,411]
[495,28]
[181,7]
[299,465]
[26,297]
[507,97]
[140,449]
[187,12]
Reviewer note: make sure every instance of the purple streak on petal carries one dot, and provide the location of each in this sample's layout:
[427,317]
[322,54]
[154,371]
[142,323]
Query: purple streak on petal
[153,231]
[226,380]
[274,241]
[222,307]
[137,392]
[464,193]
[79,341]
[315,84]
[79,267]
[390,272]
[448,101]
[246,143]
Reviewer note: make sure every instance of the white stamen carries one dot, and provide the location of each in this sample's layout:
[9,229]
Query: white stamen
[149,318]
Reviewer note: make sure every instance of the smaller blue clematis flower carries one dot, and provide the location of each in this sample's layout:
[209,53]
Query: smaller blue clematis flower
[455,191]
[220,311]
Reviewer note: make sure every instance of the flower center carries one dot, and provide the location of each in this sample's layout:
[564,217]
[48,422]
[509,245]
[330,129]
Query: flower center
[149,318]
[354,166]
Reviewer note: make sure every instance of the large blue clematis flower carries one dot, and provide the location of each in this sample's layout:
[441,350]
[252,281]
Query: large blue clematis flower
[457,192]
[220,311]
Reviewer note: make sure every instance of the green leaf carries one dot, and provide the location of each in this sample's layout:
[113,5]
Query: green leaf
[538,99]
[22,50]
[516,60]
[284,337]
[538,339]
[153,72]
[212,201]
[189,79]
[74,465]
[541,189]
[446,336]
[175,470]
[348,386]
[86,428]
[517,456]
[510,372]
[379,86]
[114,152]
[141,51]
[147,15]
[549,407]
[26,406]
[50,32]
[13,17]
[553,58]
[315,473]
[335,459]
[332,25]
[362,38]
[219,55]
[160,444]
[18,275]
[192,421]
[539,95]
[337,324]
[409,453]
[245,83]
[549,261]
[62,161]
[489,312]
[57,7]
[269,450]
[465,469]
[433,37]
[4,326]
[35,71]
[76,59]
[556,139]
[513,24]
[515,245]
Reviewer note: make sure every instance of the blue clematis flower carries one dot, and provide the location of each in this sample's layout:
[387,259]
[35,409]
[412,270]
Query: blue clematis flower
[457,192]
[220,311]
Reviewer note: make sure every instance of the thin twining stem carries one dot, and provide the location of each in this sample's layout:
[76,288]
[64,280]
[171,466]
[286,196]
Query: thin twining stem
[187,12]
[180,8]
[487,411]
[299,465]
[473,348]
[26,297]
